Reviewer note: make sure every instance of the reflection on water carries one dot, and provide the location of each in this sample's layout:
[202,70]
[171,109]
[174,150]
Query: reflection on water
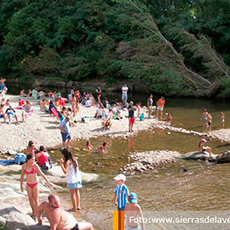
[168,188]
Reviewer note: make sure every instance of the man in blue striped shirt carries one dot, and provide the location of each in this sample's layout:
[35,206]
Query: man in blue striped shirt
[121,192]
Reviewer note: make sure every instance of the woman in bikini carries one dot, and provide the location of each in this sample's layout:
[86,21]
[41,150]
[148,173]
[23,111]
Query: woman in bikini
[31,148]
[30,168]
[70,167]
[205,117]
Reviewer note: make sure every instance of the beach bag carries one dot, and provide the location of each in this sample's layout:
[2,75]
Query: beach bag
[20,158]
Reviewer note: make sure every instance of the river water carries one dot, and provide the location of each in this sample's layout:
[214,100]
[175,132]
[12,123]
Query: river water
[166,188]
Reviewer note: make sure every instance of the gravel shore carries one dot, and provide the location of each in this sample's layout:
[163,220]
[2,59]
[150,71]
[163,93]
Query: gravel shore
[43,128]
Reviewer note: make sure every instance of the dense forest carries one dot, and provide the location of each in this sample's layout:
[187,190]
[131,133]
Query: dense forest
[177,47]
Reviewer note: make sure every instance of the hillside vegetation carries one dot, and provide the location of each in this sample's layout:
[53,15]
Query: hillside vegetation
[175,46]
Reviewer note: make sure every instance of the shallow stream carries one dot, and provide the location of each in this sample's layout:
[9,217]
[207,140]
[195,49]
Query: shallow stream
[166,188]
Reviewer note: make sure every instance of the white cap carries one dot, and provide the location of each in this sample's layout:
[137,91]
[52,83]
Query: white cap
[120,177]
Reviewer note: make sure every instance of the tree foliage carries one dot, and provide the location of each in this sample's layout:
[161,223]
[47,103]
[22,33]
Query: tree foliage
[174,46]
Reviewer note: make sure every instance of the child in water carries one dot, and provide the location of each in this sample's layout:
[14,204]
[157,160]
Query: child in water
[222,120]
[88,146]
[169,118]
[101,149]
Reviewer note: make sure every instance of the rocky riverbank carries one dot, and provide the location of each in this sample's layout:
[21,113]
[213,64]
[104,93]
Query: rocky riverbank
[14,204]
[144,161]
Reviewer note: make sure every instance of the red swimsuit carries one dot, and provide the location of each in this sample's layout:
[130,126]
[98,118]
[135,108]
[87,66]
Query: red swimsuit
[33,171]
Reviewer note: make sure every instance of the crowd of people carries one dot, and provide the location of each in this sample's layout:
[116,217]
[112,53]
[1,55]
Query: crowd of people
[65,110]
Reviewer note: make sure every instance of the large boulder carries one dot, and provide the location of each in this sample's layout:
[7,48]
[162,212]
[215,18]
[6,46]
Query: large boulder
[13,218]
[224,157]
[197,156]
[57,172]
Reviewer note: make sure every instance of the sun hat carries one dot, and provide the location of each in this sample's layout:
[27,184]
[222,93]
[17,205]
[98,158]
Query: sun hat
[133,198]
[203,140]
[120,177]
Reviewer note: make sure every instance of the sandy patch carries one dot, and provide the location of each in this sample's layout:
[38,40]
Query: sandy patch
[43,128]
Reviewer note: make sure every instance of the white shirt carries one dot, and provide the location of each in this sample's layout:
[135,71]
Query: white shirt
[124,89]
[72,176]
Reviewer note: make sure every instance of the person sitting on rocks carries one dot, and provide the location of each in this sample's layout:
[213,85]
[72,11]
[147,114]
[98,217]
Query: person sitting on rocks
[28,110]
[100,111]
[106,122]
[59,218]
[203,148]
[43,159]
[43,106]
[22,93]
[21,104]
[10,112]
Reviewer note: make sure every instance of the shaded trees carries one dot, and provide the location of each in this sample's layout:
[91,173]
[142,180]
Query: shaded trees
[171,45]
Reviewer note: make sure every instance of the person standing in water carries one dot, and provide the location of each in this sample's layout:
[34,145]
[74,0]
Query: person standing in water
[133,211]
[160,107]
[209,122]
[205,117]
[222,120]
[70,167]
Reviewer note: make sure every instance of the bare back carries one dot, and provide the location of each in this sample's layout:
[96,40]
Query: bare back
[57,216]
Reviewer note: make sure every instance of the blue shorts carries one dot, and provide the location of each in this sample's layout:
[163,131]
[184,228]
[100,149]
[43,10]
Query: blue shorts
[74,185]
[65,136]
[120,209]
[160,108]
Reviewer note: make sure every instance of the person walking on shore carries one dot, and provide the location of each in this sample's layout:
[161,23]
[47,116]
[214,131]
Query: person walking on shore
[160,107]
[124,90]
[131,109]
[98,90]
[150,104]
[65,133]
[30,168]
[70,167]
[58,218]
